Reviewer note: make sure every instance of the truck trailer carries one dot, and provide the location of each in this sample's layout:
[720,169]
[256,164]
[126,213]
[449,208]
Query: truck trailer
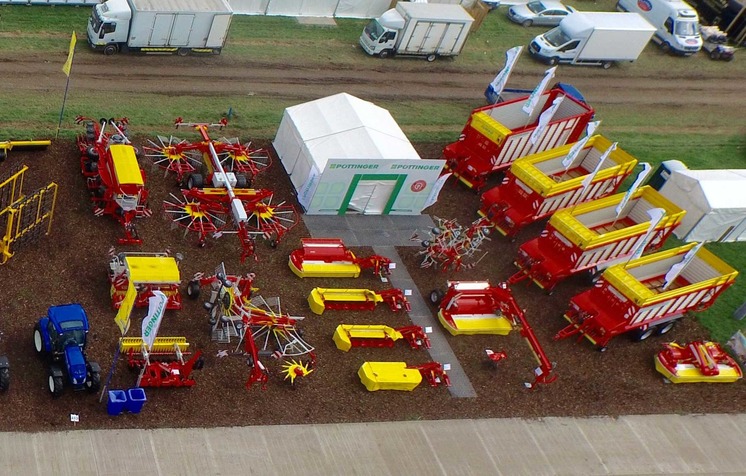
[159,26]
[594,38]
[428,30]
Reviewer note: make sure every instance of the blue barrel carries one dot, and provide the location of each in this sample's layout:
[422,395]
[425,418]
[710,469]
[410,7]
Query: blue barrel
[116,403]
[135,399]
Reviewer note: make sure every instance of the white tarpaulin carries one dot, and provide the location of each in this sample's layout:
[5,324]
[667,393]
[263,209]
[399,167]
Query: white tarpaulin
[361,9]
[714,201]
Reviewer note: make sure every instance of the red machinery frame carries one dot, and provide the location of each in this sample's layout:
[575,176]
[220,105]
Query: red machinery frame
[159,373]
[104,157]
[334,251]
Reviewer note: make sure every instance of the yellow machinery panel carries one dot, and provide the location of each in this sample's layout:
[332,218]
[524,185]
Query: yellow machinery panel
[319,296]
[388,376]
[125,163]
[161,344]
[321,269]
[345,332]
[473,324]
[152,269]
[488,127]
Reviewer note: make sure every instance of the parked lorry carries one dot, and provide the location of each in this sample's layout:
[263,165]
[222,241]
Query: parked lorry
[648,295]
[159,26]
[60,337]
[676,23]
[594,38]
[429,30]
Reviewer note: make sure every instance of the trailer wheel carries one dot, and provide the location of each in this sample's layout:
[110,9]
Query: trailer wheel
[665,328]
[642,335]
[436,295]
[193,289]
[110,50]
[431,58]
[182,51]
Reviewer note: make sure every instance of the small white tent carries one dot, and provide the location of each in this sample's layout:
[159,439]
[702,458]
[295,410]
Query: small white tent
[715,204]
[345,154]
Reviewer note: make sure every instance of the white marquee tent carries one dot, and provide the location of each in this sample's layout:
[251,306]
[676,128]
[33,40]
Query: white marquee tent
[345,154]
[715,204]
[321,8]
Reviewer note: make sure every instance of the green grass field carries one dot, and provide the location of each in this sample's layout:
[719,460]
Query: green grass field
[277,40]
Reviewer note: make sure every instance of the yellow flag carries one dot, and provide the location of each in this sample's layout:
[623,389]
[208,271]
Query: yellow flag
[69,63]
[122,318]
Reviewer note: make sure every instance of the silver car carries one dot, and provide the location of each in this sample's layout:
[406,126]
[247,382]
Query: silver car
[539,12]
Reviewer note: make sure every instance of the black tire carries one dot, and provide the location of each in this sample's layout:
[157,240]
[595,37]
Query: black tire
[93,382]
[553,61]
[714,54]
[436,295]
[38,340]
[55,385]
[110,50]
[666,47]
[665,328]
[193,289]
[432,57]
[195,181]
[183,51]
[242,181]
[4,380]
[91,166]
[384,54]
[641,335]
[199,364]
[606,64]
[92,153]
[527,23]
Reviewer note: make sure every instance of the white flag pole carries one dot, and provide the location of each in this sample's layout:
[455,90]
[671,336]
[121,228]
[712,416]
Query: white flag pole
[646,168]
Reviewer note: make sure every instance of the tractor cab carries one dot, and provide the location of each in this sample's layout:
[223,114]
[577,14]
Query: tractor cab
[66,327]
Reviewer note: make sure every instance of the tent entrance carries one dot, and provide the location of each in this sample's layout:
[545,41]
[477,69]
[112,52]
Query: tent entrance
[371,194]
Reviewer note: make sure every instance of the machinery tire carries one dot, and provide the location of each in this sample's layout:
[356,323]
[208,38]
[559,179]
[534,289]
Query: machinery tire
[199,364]
[183,51]
[91,166]
[436,295]
[93,382]
[242,181]
[4,379]
[641,335]
[38,341]
[193,289]
[665,328]
[195,181]
[527,23]
[110,50]
[55,385]
[92,153]
[3,155]
[432,57]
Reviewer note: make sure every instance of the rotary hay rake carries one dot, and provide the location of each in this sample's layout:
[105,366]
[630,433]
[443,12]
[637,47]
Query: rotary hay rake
[452,246]
[215,198]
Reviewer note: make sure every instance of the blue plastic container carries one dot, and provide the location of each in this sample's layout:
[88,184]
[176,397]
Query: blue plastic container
[116,403]
[135,399]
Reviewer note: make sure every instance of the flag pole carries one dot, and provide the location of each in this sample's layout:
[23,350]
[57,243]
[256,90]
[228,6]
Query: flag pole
[66,68]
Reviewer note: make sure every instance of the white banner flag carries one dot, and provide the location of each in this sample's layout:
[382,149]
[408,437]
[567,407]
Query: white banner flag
[677,269]
[575,149]
[533,99]
[646,168]
[589,178]
[433,197]
[511,56]
[544,119]
[151,323]
[656,215]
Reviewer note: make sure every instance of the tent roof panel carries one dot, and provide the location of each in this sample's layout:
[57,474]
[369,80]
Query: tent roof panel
[721,188]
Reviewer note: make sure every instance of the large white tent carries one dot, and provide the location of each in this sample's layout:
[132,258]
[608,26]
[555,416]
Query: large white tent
[321,8]
[344,154]
[715,204]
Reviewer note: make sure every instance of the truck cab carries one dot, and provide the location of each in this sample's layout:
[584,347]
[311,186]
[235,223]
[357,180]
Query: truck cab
[676,23]
[380,35]
[108,26]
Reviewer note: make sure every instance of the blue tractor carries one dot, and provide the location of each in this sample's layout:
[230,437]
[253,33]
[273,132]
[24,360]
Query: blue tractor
[60,337]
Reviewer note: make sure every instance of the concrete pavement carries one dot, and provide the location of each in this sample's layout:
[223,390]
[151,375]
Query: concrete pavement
[655,444]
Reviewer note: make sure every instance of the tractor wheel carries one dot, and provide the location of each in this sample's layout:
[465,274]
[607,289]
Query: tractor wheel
[93,382]
[38,340]
[193,289]
[665,328]
[4,379]
[195,181]
[642,335]
[55,385]
[436,295]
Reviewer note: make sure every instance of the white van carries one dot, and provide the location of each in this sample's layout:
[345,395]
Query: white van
[676,22]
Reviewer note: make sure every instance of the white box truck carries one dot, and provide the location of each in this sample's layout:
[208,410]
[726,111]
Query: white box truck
[594,38]
[429,30]
[677,23]
[160,26]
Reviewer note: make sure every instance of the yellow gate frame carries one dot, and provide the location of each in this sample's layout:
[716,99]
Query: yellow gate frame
[20,215]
